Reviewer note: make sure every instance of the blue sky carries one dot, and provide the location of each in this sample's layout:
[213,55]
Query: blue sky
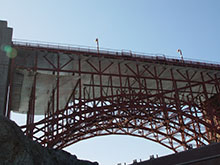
[150,26]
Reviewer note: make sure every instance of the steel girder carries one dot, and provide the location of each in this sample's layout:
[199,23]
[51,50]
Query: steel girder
[174,103]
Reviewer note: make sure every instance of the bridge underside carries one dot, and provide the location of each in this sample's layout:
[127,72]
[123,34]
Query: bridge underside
[88,93]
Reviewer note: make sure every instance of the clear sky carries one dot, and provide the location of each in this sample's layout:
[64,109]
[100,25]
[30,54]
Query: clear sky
[150,26]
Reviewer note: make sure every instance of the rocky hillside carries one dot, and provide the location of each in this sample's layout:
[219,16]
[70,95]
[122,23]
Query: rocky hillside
[15,148]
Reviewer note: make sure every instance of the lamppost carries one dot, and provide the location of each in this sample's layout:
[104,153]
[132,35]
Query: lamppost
[181,54]
[97,41]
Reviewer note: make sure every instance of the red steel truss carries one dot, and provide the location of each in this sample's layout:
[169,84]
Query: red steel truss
[169,101]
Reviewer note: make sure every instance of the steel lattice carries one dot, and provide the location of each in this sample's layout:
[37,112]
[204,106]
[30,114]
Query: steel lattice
[169,101]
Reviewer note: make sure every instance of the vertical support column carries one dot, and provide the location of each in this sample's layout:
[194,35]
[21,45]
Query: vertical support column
[5,47]
[101,87]
[93,90]
[80,88]
[178,109]
[209,112]
[31,110]
[7,111]
[190,100]
[58,91]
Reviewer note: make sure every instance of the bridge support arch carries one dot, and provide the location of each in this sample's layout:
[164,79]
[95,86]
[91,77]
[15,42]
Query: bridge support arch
[83,93]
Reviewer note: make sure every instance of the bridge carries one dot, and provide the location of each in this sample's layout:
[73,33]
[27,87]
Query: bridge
[84,92]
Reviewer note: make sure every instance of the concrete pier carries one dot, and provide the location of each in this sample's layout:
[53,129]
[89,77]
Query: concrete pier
[5,42]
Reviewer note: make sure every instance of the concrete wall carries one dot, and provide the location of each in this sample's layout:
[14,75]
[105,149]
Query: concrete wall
[5,39]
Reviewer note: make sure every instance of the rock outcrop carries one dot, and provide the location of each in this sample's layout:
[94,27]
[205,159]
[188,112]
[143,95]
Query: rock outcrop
[16,148]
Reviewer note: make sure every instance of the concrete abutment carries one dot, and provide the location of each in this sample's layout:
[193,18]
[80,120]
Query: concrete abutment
[5,43]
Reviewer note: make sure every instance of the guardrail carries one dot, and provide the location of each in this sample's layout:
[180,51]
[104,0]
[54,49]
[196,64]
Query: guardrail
[128,53]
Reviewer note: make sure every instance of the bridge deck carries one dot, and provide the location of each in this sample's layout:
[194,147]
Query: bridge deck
[103,75]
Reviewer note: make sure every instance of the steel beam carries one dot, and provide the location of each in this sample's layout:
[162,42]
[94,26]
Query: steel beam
[162,100]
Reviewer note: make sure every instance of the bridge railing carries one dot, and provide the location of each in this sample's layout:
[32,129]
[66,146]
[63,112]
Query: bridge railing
[128,53]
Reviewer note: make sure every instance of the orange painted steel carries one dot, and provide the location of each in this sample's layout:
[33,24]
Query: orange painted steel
[179,117]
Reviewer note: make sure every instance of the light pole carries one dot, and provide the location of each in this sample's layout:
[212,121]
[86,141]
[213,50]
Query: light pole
[97,41]
[181,54]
